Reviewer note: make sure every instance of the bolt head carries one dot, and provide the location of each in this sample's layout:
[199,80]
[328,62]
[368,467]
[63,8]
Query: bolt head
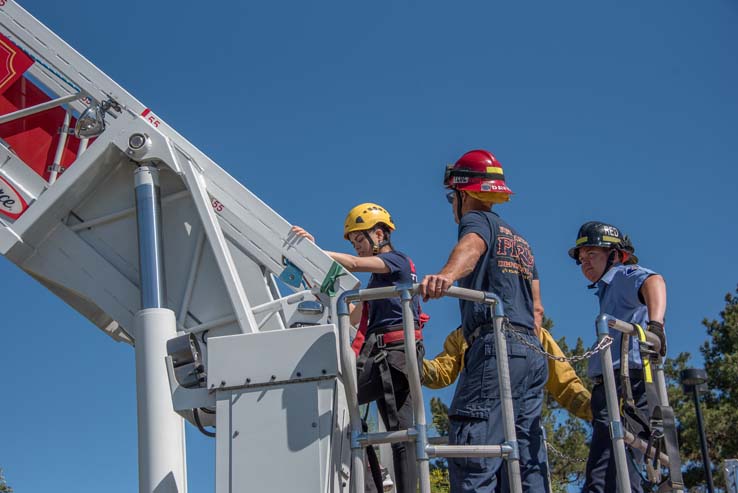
[137,141]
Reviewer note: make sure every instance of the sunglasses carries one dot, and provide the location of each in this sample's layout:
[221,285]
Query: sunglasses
[450,196]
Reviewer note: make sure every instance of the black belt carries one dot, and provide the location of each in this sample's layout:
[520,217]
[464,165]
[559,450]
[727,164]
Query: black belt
[487,328]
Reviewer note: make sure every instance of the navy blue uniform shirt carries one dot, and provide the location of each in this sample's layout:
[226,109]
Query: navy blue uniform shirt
[388,312]
[508,272]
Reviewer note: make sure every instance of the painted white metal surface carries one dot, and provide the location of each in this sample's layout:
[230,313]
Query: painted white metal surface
[160,433]
[223,249]
[82,229]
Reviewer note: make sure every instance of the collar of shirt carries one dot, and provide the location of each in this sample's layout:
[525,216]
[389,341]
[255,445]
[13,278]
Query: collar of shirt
[607,278]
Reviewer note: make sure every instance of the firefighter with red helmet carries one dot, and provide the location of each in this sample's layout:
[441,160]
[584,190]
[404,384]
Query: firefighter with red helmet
[491,256]
[379,345]
[632,293]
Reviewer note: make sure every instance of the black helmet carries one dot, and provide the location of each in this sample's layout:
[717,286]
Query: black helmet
[595,233]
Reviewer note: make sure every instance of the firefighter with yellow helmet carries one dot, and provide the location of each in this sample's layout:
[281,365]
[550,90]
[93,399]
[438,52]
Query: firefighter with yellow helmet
[379,344]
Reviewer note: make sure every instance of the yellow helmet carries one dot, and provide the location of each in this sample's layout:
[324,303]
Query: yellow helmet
[366,216]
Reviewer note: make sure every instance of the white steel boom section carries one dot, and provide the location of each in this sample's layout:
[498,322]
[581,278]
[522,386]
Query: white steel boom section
[155,244]
[77,237]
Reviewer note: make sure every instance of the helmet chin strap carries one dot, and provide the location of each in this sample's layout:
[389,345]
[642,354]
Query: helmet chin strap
[375,247]
[610,261]
[458,204]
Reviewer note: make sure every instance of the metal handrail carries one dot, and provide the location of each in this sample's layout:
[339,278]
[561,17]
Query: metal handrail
[630,329]
[507,450]
[613,408]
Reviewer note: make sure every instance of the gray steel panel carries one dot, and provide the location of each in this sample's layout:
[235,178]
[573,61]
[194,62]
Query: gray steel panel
[276,439]
[310,351]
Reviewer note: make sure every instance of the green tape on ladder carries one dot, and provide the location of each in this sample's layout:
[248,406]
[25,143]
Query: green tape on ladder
[327,286]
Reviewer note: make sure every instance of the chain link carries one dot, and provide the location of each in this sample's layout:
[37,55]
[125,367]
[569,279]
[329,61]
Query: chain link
[558,453]
[601,345]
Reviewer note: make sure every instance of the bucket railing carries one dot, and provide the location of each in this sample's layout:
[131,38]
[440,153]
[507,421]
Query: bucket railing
[417,433]
[662,416]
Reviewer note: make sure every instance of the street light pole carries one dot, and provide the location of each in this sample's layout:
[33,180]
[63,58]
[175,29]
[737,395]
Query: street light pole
[692,380]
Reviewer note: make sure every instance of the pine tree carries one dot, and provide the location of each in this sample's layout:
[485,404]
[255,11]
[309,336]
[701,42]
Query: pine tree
[439,410]
[719,404]
[439,467]
[4,488]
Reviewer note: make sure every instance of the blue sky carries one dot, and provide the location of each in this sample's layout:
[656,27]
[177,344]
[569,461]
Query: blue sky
[624,113]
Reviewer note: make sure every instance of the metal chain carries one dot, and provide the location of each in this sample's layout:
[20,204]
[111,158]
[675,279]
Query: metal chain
[601,345]
[558,453]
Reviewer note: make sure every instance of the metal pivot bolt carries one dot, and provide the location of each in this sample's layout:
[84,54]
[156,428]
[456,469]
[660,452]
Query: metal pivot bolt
[136,141]
[138,145]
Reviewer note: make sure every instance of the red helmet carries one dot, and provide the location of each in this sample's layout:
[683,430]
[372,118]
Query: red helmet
[476,171]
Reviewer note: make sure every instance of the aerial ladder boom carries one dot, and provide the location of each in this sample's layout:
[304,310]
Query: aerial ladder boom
[231,315]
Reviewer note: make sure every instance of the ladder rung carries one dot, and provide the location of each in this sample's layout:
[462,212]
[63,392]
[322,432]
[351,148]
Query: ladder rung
[468,450]
[388,437]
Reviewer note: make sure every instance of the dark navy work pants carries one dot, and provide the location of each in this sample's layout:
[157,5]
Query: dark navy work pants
[477,394]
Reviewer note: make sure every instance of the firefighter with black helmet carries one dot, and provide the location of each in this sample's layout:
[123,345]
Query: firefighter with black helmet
[379,344]
[632,293]
[491,256]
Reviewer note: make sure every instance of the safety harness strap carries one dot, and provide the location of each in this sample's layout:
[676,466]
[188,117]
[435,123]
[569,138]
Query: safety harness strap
[660,431]
[634,419]
[379,355]
[645,357]
[666,415]
[627,390]
[388,388]
[372,459]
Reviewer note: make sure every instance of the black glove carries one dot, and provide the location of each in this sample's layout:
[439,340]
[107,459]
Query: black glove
[658,329]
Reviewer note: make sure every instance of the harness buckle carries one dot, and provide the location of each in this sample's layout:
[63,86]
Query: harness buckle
[380,341]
